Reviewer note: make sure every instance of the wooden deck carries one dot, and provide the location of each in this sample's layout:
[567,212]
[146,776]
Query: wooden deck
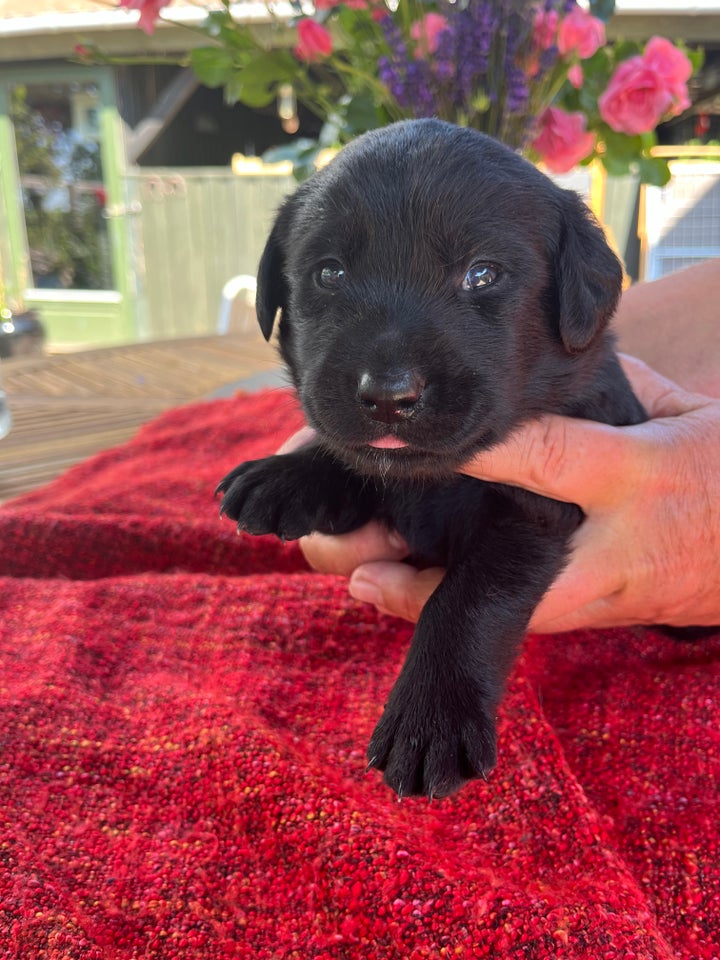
[66,407]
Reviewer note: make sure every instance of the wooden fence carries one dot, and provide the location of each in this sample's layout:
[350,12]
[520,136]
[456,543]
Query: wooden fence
[191,230]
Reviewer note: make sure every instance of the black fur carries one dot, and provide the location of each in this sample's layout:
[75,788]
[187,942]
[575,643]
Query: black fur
[389,344]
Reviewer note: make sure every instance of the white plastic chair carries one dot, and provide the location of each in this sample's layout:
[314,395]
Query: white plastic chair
[242,284]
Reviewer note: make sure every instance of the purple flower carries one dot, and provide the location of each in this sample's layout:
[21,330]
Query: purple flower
[480,69]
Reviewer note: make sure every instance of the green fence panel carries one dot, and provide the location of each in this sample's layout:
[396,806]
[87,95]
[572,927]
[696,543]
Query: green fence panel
[195,230]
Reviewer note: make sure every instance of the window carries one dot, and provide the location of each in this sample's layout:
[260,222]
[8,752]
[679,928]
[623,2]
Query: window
[57,137]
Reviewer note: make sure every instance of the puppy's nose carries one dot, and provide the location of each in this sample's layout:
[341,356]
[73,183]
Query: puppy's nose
[392,397]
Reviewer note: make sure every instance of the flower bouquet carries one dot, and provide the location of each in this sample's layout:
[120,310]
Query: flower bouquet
[537,74]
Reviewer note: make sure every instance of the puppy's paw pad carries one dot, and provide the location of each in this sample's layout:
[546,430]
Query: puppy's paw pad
[432,748]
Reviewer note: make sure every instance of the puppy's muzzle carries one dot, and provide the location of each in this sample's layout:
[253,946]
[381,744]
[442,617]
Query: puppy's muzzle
[392,397]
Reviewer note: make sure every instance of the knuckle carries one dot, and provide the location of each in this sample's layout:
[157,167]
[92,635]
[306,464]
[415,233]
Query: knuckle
[545,453]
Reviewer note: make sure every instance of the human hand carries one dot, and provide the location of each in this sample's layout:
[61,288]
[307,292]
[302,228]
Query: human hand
[649,549]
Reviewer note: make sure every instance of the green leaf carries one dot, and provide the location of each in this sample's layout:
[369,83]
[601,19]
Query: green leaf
[233,88]
[615,166]
[653,171]
[296,149]
[621,146]
[596,73]
[212,65]
[624,49]
[356,25]
[696,57]
[268,72]
[255,82]
[250,93]
[361,114]
[238,38]
[303,153]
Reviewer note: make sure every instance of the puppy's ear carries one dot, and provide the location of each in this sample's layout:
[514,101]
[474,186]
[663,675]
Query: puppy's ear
[588,276]
[271,293]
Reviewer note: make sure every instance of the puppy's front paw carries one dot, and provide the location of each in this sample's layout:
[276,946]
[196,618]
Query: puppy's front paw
[292,495]
[268,496]
[431,741]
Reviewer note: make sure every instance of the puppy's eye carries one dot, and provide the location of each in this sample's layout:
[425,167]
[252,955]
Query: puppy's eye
[480,275]
[330,274]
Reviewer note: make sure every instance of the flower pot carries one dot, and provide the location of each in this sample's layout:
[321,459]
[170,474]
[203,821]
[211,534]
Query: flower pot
[21,334]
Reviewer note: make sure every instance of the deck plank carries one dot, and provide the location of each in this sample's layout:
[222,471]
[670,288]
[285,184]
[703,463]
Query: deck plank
[68,406]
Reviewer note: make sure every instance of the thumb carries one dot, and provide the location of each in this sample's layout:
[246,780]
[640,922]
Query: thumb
[578,461]
[395,588]
[589,589]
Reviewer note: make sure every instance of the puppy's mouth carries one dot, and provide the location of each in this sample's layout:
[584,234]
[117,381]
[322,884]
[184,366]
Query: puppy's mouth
[390,457]
[388,442]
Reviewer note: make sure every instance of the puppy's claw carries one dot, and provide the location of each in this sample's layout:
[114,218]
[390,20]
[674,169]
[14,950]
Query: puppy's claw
[371,764]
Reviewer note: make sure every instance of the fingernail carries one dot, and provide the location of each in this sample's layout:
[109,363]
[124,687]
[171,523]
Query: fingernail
[396,542]
[364,589]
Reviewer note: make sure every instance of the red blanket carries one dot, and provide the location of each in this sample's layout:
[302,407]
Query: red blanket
[184,721]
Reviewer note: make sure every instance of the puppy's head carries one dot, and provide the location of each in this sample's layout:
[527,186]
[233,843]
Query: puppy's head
[434,291]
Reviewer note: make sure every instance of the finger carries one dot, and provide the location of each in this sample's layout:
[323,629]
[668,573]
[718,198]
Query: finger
[578,461]
[599,614]
[395,588]
[660,397]
[342,554]
[590,586]
[299,439]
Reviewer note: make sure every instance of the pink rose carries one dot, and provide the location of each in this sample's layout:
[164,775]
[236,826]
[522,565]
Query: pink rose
[544,29]
[563,140]
[543,37]
[575,75]
[636,98]
[426,33]
[149,12]
[673,66]
[314,41]
[580,33]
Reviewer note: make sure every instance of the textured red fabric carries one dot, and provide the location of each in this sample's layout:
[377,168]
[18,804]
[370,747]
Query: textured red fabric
[184,721]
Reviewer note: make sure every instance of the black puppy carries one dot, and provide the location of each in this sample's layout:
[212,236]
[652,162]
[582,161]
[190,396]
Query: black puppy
[436,290]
